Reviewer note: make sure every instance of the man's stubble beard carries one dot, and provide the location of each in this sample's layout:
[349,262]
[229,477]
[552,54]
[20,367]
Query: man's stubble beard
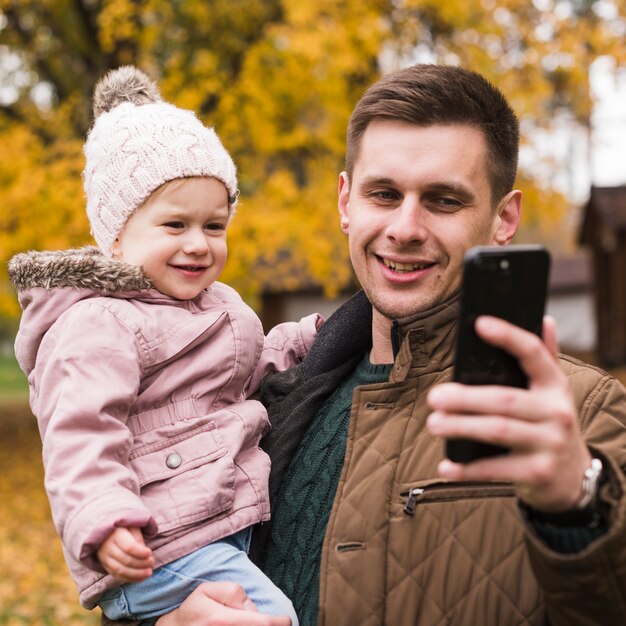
[417,305]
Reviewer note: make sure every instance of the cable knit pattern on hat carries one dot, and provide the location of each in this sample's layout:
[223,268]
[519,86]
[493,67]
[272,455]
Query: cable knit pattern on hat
[139,142]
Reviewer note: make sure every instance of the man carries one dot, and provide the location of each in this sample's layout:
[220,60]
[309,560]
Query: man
[371,524]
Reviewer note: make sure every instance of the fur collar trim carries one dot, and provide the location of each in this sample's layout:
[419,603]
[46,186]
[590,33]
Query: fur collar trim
[82,268]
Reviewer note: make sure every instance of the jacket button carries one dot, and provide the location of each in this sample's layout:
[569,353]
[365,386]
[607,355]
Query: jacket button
[173,460]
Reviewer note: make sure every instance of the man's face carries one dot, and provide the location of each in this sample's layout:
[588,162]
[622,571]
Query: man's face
[419,198]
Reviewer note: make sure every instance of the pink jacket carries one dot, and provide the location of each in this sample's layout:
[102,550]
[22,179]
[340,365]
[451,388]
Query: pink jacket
[143,405]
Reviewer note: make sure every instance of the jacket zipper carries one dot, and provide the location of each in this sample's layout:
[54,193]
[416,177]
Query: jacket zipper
[445,491]
[411,501]
[395,338]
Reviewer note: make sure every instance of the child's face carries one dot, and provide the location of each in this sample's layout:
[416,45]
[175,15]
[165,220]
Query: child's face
[178,235]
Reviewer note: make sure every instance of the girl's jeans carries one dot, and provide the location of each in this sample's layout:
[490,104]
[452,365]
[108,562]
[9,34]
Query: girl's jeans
[169,585]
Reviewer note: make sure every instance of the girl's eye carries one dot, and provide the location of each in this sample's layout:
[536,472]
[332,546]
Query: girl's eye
[215,226]
[176,225]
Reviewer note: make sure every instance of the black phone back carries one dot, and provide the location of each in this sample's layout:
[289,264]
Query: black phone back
[509,282]
[506,282]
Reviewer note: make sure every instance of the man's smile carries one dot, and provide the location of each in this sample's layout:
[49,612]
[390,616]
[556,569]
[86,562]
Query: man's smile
[404,267]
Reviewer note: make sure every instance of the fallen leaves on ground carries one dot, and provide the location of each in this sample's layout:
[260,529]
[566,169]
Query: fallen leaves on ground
[35,587]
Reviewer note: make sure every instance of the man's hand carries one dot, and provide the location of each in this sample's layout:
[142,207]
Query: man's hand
[125,555]
[548,455]
[219,604]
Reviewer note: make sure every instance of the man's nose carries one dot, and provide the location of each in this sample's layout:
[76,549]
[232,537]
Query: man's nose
[408,222]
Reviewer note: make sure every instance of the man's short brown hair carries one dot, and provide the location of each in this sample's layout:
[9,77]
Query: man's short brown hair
[428,95]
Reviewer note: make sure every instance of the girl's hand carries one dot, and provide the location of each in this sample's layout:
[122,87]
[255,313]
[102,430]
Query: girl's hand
[124,554]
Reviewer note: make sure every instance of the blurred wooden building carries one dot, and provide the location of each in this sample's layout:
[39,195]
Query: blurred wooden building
[571,304]
[603,231]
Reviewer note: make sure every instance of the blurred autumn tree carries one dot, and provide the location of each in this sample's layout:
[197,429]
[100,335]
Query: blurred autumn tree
[278,80]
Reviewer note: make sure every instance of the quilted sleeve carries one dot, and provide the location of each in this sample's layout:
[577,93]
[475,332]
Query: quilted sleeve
[589,587]
[285,346]
[85,382]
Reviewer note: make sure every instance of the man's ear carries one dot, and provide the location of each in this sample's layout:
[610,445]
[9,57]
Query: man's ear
[343,201]
[509,214]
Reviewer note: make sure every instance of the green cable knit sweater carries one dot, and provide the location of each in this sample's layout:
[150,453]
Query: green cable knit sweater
[306,496]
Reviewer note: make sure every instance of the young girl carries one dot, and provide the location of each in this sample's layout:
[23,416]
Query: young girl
[141,365]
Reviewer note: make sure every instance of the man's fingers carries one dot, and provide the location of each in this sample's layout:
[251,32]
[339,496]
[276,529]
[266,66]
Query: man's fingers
[510,433]
[519,469]
[530,473]
[547,454]
[224,603]
[483,399]
[538,361]
[549,335]
[229,594]
[534,357]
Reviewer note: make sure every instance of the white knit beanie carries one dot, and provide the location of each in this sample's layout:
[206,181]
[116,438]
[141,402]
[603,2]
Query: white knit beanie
[137,143]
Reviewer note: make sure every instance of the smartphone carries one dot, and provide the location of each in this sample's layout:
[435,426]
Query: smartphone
[509,282]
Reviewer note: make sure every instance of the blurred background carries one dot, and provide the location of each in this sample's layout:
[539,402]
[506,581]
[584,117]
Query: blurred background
[278,80]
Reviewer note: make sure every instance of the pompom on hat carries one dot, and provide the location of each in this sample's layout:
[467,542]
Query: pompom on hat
[139,142]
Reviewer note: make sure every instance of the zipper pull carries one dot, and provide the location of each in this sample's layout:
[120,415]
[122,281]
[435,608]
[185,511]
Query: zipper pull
[395,338]
[411,501]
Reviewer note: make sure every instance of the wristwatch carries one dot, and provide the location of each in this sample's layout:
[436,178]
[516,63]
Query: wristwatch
[590,484]
[585,512]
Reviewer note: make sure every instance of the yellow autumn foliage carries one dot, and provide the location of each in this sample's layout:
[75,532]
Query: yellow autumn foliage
[278,80]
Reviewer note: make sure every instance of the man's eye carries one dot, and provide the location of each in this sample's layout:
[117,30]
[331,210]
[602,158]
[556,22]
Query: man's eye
[385,195]
[445,202]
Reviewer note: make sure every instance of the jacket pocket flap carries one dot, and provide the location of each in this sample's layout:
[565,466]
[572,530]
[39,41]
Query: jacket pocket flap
[175,455]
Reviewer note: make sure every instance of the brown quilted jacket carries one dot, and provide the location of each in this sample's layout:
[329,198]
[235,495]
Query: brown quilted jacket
[405,548]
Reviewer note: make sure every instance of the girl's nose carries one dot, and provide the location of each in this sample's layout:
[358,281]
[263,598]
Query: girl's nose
[195,242]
